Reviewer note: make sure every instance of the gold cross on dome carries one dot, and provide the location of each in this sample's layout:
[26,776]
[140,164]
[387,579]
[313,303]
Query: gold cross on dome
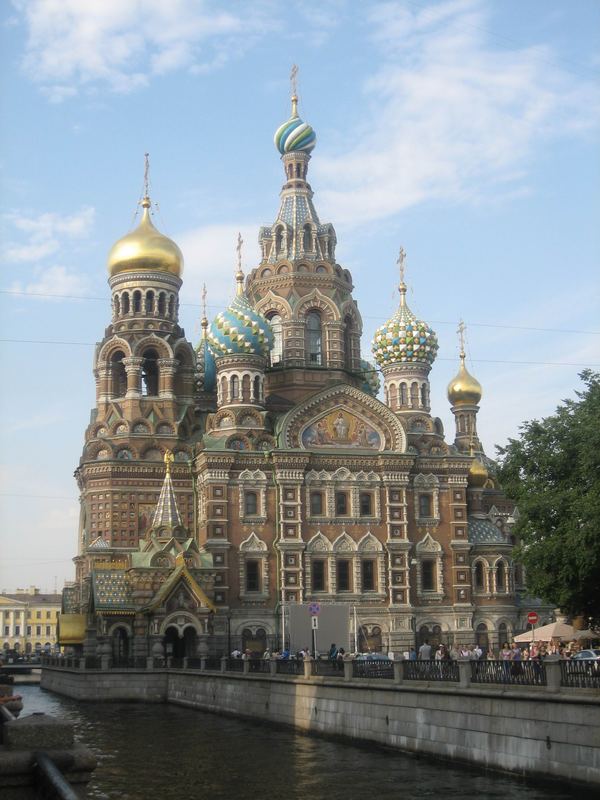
[169,458]
[293,83]
[400,261]
[147,174]
[461,334]
[239,251]
[203,299]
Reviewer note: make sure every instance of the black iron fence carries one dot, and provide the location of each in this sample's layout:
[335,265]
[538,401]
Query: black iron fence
[519,673]
[580,674]
[430,671]
[373,669]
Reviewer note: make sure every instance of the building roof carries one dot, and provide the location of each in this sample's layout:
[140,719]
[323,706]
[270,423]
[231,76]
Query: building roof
[38,599]
[112,590]
[483,531]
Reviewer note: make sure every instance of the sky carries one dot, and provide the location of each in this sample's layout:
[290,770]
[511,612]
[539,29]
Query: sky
[465,131]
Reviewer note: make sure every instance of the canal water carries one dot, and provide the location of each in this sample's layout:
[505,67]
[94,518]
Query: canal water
[167,752]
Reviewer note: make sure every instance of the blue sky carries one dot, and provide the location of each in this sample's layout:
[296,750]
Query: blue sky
[466,131]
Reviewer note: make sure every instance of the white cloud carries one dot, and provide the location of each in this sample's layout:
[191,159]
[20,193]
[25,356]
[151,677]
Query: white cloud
[43,235]
[210,257]
[447,116]
[122,43]
[52,283]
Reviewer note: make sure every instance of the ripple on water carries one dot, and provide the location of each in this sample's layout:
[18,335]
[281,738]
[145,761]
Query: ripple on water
[172,753]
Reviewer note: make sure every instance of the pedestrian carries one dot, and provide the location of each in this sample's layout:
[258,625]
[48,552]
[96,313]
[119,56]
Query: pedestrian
[332,654]
[340,658]
[425,651]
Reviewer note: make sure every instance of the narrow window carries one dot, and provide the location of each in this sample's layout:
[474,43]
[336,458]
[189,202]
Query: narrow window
[318,576]
[349,361]
[149,302]
[414,395]
[171,307]
[343,575]
[424,505]
[403,395]
[256,389]
[161,304]
[118,374]
[428,575]
[424,395]
[479,576]
[307,239]
[250,504]
[316,504]
[368,576]
[125,302]
[150,373]
[235,387]
[501,577]
[341,503]
[277,328]
[137,301]
[314,352]
[253,576]
[366,504]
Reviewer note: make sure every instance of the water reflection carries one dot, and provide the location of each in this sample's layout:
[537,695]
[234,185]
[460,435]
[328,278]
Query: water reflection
[167,752]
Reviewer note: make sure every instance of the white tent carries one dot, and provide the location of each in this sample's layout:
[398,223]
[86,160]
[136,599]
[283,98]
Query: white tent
[555,630]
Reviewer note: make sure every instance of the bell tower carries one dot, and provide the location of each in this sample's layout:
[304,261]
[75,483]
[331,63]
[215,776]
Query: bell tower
[145,370]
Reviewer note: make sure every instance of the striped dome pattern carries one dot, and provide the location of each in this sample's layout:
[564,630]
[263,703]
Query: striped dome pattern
[240,329]
[295,135]
[404,339]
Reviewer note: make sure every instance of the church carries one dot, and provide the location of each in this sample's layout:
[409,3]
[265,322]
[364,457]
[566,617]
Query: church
[271,464]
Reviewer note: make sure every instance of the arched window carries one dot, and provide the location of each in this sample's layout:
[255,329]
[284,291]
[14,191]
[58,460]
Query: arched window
[224,389]
[137,301]
[279,241]
[125,302]
[149,302]
[117,306]
[246,388]
[501,577]
[502,634]
[424,402]
[297,170]
[482,638]
[277,328]
[348,349]
[118,374]
[171,307]
[403,395]
[428,576]
[250,504]
[256,388]
[307,239]
[414,395]
[479,578]
[150,373]
[393,396]
[161,304]
[314,353]
[235,387]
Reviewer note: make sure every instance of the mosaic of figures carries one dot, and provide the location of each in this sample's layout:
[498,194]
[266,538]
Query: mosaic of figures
[341,429]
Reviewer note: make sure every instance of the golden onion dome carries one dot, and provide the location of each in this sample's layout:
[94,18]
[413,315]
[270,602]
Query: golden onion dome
[145,248]
[478,474]
[464,389]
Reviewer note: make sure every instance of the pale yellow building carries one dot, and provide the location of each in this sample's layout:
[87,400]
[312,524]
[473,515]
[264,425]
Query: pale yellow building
[28,620]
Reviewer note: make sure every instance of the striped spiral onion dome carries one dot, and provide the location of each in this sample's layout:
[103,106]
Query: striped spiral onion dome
[295,135]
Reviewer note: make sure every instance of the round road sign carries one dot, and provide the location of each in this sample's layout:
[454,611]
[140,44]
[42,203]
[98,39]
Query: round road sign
[314,609]
[532,617]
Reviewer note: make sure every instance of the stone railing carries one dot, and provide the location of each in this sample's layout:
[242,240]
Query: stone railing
[550,674]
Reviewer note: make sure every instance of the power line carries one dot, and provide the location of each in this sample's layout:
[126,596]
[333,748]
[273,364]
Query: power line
[219,308]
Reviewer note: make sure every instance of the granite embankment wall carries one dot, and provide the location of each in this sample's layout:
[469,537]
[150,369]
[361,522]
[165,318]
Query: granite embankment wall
[525,731]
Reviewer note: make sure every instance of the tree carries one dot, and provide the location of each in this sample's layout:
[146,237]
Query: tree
[552,472]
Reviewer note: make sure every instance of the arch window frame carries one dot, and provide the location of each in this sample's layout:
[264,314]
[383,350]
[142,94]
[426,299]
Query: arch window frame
[314,339]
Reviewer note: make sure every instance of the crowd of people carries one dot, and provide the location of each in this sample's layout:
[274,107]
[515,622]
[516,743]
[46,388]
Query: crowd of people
[530,651]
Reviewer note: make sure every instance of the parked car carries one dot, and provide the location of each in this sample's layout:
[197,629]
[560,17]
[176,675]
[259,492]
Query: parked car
[589,659]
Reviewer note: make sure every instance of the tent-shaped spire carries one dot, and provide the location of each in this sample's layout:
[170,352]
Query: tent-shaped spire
[166,515]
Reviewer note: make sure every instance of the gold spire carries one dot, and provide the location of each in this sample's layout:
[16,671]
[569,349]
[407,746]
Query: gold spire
[294,90]
[239,275]
[145,248]
[168,459]
[464,389]
[402,286]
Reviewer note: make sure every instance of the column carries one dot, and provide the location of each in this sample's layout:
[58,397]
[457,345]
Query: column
[133,367]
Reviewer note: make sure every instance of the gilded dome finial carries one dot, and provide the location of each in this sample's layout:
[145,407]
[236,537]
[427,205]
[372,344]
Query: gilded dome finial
[168,459]
[239,275]
[402,286]
[204,321]
[463,389]
[294,88]
[146,198]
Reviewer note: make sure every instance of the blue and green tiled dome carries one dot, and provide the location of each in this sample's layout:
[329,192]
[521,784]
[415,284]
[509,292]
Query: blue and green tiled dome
[371,382]
[404,338]
[240,329]
[295,135]
[207,369]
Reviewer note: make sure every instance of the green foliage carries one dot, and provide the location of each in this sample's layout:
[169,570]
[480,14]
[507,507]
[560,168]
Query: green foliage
[552,472]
